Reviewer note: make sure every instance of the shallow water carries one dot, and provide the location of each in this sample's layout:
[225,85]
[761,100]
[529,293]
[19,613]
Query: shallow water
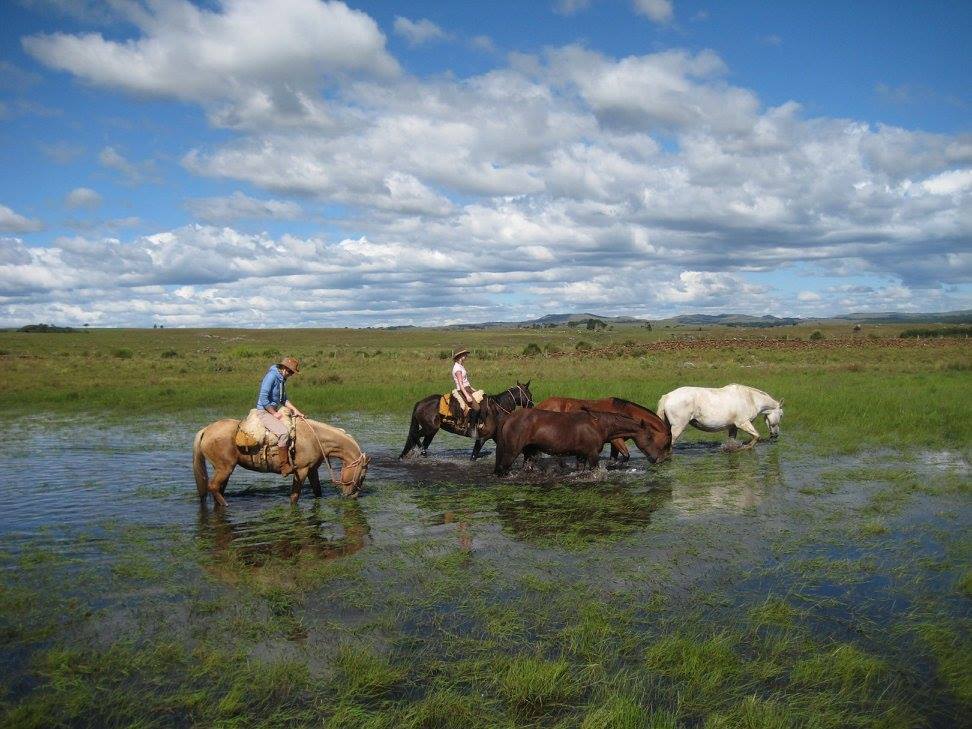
[436,545]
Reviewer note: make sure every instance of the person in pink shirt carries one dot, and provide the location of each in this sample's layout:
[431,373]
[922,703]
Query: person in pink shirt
[463,389]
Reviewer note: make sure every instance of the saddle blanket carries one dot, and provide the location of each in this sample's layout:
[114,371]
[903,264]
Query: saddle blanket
[252,431]
[445,407]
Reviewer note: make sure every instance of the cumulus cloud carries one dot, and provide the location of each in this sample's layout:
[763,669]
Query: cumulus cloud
[418,32]
[82,198]
[658,11]
[262,59]
[515,188]
[11,222]
[132,172]
[240,207]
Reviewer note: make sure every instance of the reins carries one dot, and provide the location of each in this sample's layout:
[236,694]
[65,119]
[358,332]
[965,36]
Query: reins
[509,391]
[344,468]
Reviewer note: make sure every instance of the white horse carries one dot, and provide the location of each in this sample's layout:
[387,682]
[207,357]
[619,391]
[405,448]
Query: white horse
[717,408]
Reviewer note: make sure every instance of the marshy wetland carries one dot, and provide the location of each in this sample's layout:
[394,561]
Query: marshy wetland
[821,580]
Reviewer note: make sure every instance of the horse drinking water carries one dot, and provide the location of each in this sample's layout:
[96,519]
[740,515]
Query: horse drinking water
[316,444]
[712,409]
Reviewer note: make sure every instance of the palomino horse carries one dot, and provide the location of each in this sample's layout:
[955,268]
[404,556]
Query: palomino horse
[661,431]
[316,444]
[712,409]
[580,434]
[426,420]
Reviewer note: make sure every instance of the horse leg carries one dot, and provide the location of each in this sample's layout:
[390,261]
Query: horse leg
[299,475]
[677,429]
[619,450]
[748,427]
[427,441]
[217,484]
[315,482]
[413,437]
[477,446]
[733,430]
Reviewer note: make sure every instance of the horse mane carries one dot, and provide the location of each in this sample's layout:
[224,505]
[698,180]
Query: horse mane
[621,401]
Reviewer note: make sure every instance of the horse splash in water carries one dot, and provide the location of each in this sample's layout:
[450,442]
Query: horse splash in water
[661,438]
[712,409]
[316,443]
[426,419]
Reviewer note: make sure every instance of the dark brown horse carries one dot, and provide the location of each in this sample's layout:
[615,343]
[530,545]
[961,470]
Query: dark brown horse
[661,429]
[580,434]
[426,420]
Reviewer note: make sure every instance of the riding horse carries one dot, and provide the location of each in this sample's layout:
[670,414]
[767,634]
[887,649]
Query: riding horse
[316,443]
[581,434]
[426,419]
[712,409]
[661,430]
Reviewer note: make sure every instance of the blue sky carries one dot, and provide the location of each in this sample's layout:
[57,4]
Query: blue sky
[320,163]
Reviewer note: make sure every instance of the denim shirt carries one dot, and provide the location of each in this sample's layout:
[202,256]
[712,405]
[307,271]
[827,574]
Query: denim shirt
[273,389]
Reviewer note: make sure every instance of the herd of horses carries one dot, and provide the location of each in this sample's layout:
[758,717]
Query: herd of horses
[557,426]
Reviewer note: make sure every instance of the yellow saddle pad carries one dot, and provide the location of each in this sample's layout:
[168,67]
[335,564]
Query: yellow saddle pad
[444,409]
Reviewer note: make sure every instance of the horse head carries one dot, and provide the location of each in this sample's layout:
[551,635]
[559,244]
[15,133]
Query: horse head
[522,395]
[353,474]
[654,442]
[773,418]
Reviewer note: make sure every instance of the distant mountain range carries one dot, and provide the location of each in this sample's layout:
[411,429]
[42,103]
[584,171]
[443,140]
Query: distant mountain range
[739,320]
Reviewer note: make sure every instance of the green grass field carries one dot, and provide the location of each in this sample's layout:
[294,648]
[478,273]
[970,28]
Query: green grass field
[821,581]
[843,390]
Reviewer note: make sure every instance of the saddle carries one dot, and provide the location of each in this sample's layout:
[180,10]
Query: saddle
[454,409]
[253,438]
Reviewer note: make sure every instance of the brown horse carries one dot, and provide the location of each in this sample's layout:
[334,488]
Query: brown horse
[581,434]
[316,444]
[426,420]
[661,429]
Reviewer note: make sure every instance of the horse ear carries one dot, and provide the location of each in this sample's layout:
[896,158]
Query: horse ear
[781,404]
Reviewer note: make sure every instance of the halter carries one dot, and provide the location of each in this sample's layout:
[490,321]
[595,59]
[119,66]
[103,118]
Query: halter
[344,468]
[516,402]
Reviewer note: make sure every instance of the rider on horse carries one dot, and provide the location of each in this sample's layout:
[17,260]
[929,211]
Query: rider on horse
[464,391]
[273,397]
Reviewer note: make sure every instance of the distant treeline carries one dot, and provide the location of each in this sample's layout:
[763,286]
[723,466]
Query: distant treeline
[944,332]
[47,329]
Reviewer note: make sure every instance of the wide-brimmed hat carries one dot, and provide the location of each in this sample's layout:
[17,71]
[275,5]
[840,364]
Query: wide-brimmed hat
[290,363]
[456,354]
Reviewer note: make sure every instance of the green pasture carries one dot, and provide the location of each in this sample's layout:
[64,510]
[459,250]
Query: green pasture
[843,389]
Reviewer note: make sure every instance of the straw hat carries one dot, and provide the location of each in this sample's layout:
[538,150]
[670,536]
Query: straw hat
[290,363]
[456,354]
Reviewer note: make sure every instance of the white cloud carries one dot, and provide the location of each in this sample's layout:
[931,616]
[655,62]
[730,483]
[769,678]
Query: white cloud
[133,173]
[522,183]
[418,32]
[83,197]
[949,183]
[11,222]
[239,206]
[658,11]
[247,53]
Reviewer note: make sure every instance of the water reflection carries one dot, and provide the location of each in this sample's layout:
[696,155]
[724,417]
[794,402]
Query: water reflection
[732,482]
[284,534]
[567,516]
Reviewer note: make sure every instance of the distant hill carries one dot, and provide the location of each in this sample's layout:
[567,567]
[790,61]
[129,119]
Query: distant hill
[733,320]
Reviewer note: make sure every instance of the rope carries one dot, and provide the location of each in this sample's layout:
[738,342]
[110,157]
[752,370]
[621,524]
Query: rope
[344,468]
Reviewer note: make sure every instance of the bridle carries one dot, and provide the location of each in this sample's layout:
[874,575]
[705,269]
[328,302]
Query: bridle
[345,468]
[513,396]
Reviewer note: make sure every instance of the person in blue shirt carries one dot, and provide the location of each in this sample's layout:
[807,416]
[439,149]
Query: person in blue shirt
[272,399]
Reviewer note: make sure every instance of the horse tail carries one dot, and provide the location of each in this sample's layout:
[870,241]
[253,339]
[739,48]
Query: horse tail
[660,410]
[199,465]
[413,434]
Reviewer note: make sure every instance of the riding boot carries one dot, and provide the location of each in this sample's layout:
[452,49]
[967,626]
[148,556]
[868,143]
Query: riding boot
[286,467]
